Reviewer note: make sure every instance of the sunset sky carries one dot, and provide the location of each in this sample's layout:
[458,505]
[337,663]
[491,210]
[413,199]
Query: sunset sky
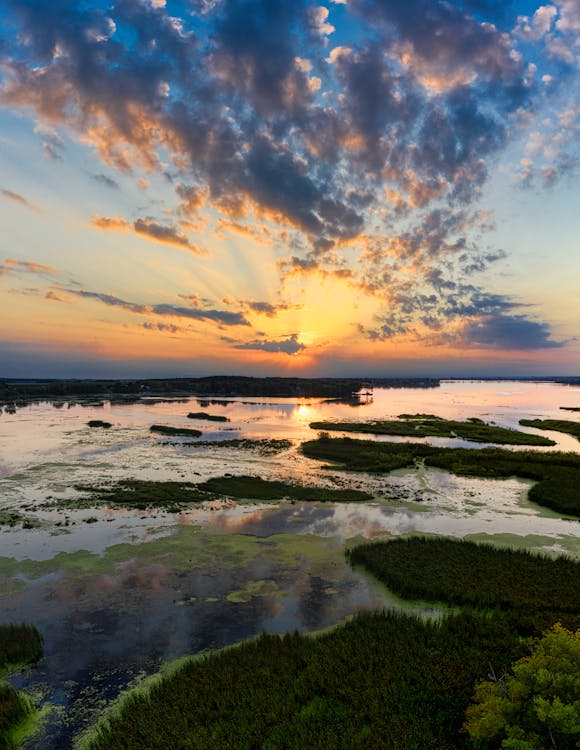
[351,187]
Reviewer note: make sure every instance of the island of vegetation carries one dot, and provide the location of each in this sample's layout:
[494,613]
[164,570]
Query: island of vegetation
[167,430]
[207,417]
[557,474]
[570,408]
[99,423]
[174,497]
[382,680]
[20,645]
[255,488]
[558,425]
[264,446]
[428,425]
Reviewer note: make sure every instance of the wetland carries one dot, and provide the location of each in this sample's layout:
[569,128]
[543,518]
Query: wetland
[128,549]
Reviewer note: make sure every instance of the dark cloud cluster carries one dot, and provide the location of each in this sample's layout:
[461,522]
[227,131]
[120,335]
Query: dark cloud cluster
[384,141]
[221,317]
[288,345]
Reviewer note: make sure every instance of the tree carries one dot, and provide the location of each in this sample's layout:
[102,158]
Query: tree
[537,706]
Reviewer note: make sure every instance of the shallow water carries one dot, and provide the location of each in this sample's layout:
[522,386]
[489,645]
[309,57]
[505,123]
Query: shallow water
[118,596]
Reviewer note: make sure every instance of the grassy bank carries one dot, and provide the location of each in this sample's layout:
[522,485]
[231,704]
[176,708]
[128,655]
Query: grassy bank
[19,645]
[557,474]
[428,425]
[207,417]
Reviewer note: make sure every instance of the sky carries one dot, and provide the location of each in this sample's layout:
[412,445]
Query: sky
[341,188]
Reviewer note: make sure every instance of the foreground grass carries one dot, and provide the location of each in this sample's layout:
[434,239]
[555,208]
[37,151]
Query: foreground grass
[19,645]
[428,425]
[559,425]
[383,680]
[256,488]
[557,474]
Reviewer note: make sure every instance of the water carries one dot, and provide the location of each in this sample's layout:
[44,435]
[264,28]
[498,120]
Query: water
[117,597]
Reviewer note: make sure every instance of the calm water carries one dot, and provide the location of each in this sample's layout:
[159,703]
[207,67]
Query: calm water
[117,597]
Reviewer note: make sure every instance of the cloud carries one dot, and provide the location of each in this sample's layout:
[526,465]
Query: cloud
[289,345]
[222,317]
[372,157]
[150,229]
[106,181]
[26,266]
[17,198]
[266,308]
[507,332]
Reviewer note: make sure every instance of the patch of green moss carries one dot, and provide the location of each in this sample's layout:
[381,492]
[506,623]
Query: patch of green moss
[417,425]
[138,493]
[252,589]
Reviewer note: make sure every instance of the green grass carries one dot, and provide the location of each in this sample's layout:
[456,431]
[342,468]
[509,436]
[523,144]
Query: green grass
[266,446]
[167,430]
[420,425]
[256,488]
[381,681]
[19,645]
[559,425]
[557,474]
[140,494]
[10,518]
[208,417]
[466,573]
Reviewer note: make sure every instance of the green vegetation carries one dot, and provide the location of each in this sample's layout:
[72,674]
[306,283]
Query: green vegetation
[140,494]
[260,489]
[166,430]
[382,680]
[570,408]
[478,575]
[559,425]
[419,425]
[19,645]
[99,423]
[557,474]
[208,417]
[10,518]
[536,706]
[266,446]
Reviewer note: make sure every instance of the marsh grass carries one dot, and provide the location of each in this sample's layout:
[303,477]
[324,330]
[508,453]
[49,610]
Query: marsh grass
[141,494]
[167,430]
[382,680]
[429,425]
[260,489]
[20,645]
[557,474]
[208,417]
